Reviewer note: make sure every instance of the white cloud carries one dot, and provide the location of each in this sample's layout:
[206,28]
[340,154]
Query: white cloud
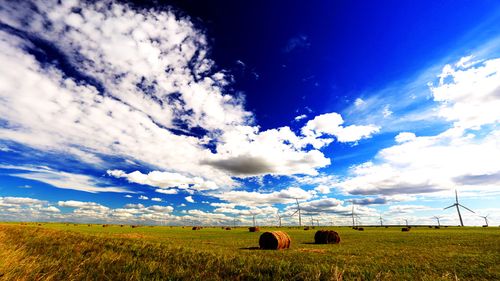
[137,75]
[331,124]
[245,152]
[82,205]
[300,117]
[386,112]
[405,136]
[189,199]
[465,156]
[51,209]
[167,191]
[142,197]
[322,189]
[165,180]
[128,196]
[430,164]
[63,180]
[252,198]
[144,70]
[469,94]
[11,201]
[156,199]
[359,102]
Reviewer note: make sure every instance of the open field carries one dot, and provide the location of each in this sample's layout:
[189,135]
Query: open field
[74,252]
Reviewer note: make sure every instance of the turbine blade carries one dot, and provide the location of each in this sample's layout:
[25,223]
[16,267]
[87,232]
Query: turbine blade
[456,195]
[449,207]
[466,208]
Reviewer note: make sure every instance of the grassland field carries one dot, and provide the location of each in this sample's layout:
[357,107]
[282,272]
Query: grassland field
[54,251]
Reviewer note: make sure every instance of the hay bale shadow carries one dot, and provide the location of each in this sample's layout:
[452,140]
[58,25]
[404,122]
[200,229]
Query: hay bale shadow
[250,248]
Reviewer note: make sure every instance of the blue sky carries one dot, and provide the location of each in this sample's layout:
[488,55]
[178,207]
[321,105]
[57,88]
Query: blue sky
[210,112]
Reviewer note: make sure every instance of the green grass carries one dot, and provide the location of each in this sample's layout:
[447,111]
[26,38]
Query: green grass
[68,252]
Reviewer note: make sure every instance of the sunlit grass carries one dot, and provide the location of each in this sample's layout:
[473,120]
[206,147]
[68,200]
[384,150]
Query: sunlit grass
[65,252]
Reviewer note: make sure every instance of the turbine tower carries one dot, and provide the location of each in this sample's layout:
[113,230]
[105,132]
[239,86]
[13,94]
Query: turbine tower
[485,219]
[456,204]
[352,213]
[381,220]
[298,211]
[437,218]
[279,218]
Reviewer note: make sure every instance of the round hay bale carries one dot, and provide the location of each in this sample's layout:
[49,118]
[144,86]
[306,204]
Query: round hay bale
[274,240]
[254,229]
[196,228]
[405,229]
[306,228]
[105,225]
[361,229]
[228,228]
[326,237]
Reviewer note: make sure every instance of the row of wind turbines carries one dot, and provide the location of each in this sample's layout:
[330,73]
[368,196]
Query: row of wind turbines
[355,216]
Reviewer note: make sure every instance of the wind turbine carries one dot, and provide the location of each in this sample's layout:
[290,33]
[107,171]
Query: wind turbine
[354,216]
[279,218]
[406,220]
[381,220]
[298,211]
[437,218]
[485,219]
[458,209]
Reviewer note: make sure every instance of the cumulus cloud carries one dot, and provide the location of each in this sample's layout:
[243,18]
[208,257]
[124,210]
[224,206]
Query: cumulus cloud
[167,191]
[82,205]
[409,209]
[322,189]
[156,199]
[404,137]
[13,201]
[189,199]
[430,164]
[26,208]
[469,92]
[331,124]
[144,78]
[135,74]
[370,201]
[142,197]
[244,152]
[253,198]
[165,180]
